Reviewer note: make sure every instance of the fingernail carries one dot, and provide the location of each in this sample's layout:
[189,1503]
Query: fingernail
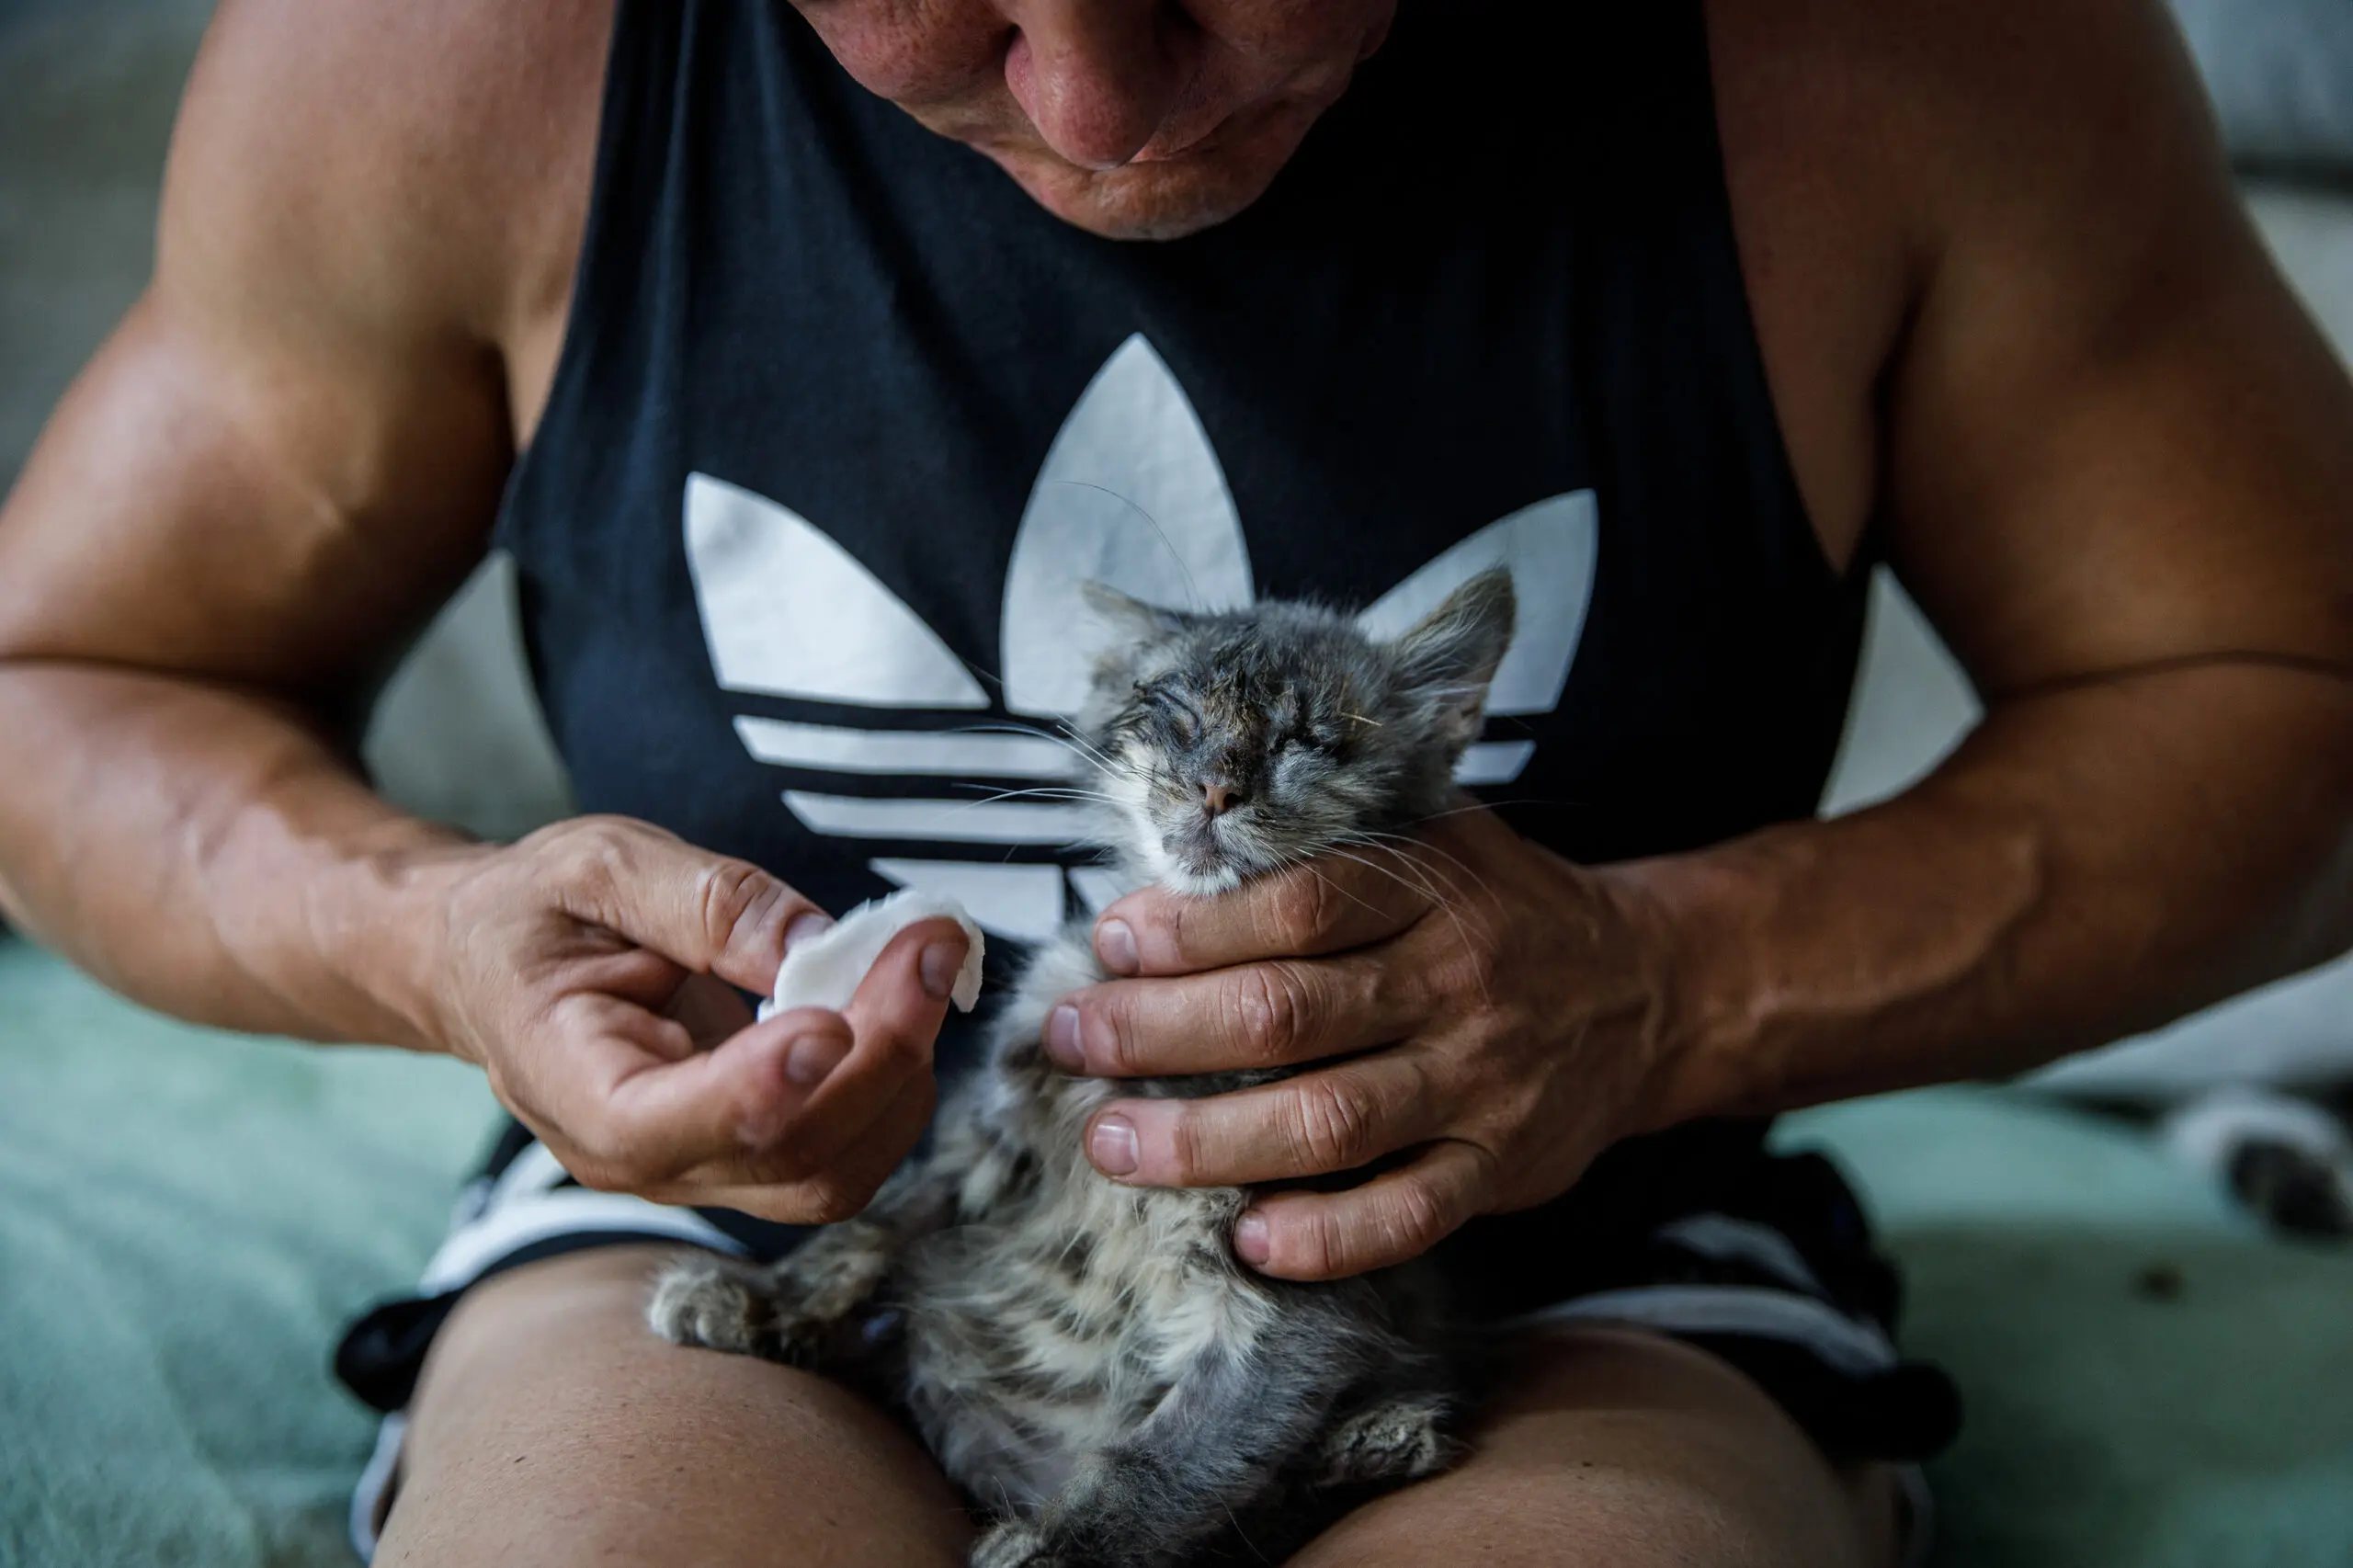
[1116,946]
[1112,1146]
[804,927]
[941,962]
[1062,1040]
[1251,1242]
[814,1058]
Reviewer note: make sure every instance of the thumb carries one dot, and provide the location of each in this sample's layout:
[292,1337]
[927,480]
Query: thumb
[711,913]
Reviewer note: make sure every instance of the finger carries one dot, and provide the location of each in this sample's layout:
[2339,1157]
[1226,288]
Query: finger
[827,1136]
[625,1096]
[1333,1120]
[1325,905]
[780,1102]
[709,1010]
[831,1196]
[1395,1217]
[1255,1015]
[895,1018]
[903,1000]
[606,962]
[707,913]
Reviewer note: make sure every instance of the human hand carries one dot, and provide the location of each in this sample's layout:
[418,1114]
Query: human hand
[587,970]
[1475,999]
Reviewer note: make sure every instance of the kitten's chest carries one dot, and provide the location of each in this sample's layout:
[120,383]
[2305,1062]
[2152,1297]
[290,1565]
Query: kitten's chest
[1056,1327]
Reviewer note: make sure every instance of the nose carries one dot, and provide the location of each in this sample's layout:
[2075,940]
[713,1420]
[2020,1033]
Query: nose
[1221,798]
[1096,78]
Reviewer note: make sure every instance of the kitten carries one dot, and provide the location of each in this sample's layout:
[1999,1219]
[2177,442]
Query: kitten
[1088,1360]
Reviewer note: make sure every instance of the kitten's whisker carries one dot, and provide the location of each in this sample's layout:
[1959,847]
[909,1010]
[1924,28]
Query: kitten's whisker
[1241,1534]
[1381,843]
[1442,892]
[960,807]
[1077,745]
[1484,805]
[1425,846]
[1430,892]
[1353,898]
[1437,903]
[1050,792]
[1192,588]
[1422,890]
[1080,745]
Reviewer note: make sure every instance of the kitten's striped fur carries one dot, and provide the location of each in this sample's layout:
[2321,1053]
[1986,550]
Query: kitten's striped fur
[1088,1360]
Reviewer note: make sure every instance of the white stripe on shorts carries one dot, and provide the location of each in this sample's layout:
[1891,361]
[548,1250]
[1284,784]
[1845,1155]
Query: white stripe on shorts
[1843,1344]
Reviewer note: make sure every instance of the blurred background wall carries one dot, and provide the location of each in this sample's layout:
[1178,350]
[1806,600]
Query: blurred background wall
[87,89]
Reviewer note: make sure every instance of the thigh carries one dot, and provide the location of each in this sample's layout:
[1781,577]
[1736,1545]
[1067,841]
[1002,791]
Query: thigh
[552,1426]
[1616,1447]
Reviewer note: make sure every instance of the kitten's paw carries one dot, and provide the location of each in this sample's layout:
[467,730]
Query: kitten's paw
[714,1303]
[1010,1543]
[1401,1440]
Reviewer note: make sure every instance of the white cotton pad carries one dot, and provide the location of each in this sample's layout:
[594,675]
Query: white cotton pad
[824,971]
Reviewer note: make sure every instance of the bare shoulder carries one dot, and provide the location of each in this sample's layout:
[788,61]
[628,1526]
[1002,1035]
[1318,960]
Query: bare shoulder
[414,165]
[291,449]
[1826,257]
[1945,111]
[1865,138]
[1996,254]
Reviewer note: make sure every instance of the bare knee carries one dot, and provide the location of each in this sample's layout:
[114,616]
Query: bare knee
[1626,1450]
[552,1427]
[1602,1516]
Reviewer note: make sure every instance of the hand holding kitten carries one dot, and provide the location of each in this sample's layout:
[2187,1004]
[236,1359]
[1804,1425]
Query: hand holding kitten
[1484,1007]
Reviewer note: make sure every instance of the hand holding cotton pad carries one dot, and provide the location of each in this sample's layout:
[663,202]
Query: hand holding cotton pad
[824,971]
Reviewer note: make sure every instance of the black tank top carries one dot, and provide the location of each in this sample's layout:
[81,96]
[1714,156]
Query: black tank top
[843,419]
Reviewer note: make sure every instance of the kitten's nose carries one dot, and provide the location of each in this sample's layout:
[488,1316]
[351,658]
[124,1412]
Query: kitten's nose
[1220,798]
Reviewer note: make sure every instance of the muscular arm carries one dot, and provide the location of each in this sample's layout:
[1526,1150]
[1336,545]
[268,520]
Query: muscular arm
[288,454]
[2118,474]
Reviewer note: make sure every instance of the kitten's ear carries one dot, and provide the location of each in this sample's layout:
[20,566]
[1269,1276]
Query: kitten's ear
[1450,655]
[1131,618]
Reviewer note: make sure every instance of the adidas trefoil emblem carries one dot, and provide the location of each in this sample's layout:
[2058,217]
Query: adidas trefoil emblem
[1131,493]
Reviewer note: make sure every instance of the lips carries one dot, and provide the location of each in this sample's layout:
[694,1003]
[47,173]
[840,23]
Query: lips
[1156,152]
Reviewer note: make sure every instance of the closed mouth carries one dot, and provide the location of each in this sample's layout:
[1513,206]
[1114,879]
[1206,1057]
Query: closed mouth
[1198,856]
[1197,847]
[1170,154]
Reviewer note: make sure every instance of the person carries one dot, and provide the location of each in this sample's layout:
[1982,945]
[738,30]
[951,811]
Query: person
[791,346]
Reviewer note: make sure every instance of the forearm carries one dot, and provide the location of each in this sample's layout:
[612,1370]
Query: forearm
[209,853]
[2091,862]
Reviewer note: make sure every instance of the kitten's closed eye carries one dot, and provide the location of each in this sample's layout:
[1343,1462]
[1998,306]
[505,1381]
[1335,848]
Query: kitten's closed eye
[1266,736]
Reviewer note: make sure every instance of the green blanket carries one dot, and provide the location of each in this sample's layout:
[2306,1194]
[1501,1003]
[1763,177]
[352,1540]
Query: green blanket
[186,1219]
[2149,1383]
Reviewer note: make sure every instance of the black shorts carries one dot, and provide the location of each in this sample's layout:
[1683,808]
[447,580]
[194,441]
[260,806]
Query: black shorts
[1701,1234]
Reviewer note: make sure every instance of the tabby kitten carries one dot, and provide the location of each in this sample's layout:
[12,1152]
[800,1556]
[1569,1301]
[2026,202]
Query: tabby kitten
[1088,1360]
